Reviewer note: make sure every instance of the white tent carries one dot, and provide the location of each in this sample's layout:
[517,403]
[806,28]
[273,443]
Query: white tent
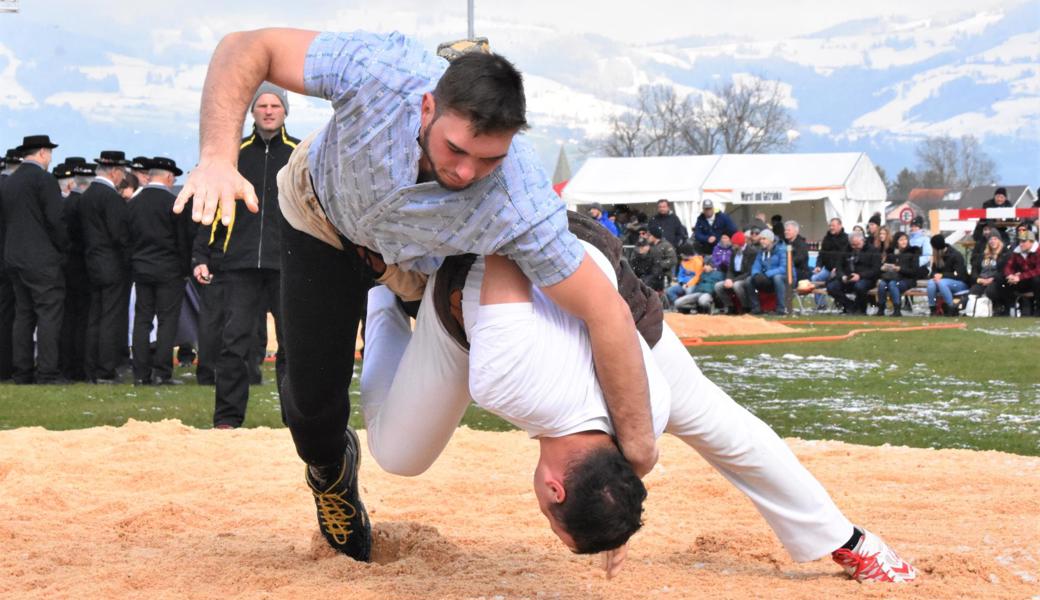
[810,188]
[640,180]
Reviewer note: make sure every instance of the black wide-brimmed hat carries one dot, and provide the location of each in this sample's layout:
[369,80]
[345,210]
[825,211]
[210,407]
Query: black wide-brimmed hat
[33,142]
[140,163]
[62,171]
[13,156]
[72,161]
[166,164]
[112,158]
[84,169]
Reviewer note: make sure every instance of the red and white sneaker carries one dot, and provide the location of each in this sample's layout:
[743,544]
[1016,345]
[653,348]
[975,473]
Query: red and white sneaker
[873,560]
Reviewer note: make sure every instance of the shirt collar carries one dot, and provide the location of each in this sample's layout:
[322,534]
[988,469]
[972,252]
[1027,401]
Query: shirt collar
[105,180]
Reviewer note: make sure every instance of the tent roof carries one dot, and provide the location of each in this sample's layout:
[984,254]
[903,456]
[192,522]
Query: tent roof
[639,179]
[797,172]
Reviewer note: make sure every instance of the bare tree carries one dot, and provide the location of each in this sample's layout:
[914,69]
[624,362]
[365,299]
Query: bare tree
[736,118]
[751,117]
[945,162]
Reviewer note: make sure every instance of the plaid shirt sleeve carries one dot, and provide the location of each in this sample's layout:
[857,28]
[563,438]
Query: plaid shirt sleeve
[337,64]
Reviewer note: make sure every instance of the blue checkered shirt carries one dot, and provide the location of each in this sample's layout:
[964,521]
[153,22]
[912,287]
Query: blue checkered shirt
[365,163]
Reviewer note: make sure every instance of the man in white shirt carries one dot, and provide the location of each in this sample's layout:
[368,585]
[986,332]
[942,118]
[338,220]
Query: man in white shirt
[530,362]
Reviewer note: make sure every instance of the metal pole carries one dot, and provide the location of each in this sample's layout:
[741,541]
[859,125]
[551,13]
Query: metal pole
[469,19]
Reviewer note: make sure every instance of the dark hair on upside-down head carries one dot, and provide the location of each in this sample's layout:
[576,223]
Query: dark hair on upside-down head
[603,506]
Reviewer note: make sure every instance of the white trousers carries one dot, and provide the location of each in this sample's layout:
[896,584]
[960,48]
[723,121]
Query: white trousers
[415,390]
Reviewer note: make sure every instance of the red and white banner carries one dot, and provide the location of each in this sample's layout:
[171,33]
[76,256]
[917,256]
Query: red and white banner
[1000,214]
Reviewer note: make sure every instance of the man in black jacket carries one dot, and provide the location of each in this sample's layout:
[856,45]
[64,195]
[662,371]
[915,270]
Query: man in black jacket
[77,285]
[9,164]
[671,227]
[857,273]
[252,258]
[160,252]
[833,248]
[35,241]
[106,236]
[799,251]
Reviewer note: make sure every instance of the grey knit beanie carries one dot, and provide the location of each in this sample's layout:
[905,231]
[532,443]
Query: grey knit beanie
[270,88]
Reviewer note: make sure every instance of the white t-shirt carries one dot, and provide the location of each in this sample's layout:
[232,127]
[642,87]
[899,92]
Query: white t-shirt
[531,364]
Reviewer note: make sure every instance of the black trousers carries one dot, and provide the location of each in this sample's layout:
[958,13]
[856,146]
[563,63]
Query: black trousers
[39,306]
[73,346]
[211,323]
[6,326]
[245,292]
[107,329]
[163,302]
[323,298]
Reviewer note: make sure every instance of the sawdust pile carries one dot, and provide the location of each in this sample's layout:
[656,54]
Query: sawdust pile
[166,511]
[696,326]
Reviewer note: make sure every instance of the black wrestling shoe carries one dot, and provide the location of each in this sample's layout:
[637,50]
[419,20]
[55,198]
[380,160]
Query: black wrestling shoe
[342,518]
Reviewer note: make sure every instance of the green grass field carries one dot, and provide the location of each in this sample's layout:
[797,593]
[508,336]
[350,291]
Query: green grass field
[973,388]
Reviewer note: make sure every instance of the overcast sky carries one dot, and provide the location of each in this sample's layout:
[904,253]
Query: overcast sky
[101,73]
[645,21]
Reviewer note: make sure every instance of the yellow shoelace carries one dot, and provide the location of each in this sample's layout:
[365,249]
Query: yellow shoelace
[335,516]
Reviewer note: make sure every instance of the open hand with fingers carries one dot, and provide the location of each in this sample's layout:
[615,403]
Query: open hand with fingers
[213,185]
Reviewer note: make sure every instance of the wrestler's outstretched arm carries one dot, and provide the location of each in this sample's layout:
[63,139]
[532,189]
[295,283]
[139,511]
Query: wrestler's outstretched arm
[590,296]
[240,63]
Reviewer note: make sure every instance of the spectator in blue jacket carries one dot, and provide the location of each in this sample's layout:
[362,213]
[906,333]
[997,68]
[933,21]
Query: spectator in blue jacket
[710,226]
[769,273]
[596,212]
[919,238]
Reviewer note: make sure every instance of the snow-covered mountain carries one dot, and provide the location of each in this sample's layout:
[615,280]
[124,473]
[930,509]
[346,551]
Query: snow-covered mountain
[877,85]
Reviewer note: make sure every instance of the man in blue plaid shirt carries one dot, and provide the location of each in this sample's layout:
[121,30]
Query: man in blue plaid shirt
[420,161]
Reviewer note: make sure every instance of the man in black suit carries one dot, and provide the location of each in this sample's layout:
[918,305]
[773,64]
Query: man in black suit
[9,164]
[35,241]
[77,285]
[160,253]
[106,234]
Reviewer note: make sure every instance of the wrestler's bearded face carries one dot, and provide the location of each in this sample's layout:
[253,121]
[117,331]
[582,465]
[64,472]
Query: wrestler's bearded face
[452,155]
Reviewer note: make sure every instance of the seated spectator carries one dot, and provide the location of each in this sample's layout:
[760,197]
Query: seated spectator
[596,212]
[987,273]
[759,222]
[701,297]
[710,226]
[689,275]
[672,228]
[635,229]
[883,242]
[735,283]
[662,251]
[799,250]
[769,273]
[722,255]
[900,270]
[776,223]
[873,225]
[949,275]
[645,267]
[833,248]
[919,239]
[1023,274]
[857,273]
[999,200]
